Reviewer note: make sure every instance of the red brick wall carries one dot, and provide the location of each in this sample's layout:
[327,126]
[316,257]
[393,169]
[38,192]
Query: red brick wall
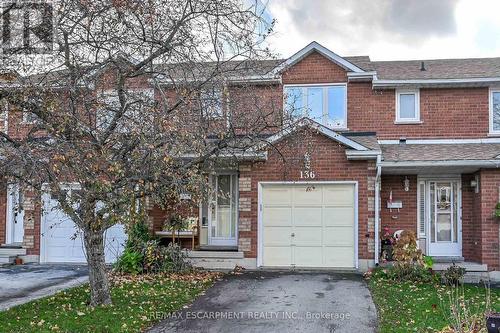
[470,224]
[489,187]
[450,113]
[3,211]
[314,68]
[329,162]
[406,217]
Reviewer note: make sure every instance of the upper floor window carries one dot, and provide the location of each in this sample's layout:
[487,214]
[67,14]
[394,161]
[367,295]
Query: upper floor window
[407,106]
[326,104]
[211,102]
[495,111]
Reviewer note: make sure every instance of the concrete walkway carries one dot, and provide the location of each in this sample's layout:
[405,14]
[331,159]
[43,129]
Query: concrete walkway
[21,284]
[278,302]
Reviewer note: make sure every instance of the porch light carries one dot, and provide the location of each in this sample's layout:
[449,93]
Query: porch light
[406,183]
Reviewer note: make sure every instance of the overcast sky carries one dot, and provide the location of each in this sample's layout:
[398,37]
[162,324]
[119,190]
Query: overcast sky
[389,29]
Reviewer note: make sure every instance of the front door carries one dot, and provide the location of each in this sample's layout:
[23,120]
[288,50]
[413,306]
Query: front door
[223,210]
[444,218]
[15,215]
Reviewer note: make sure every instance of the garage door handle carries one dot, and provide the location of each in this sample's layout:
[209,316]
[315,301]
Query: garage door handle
[293,234]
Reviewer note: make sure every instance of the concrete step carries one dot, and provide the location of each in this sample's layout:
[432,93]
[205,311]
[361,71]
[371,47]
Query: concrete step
[6,251]
[7,260]
[469,266]
[215,254]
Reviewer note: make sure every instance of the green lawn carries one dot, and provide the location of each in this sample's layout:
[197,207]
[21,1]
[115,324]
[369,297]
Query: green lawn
[424,307]
[137,301]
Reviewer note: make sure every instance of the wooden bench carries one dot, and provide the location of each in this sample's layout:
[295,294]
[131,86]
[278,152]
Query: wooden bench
[193,234]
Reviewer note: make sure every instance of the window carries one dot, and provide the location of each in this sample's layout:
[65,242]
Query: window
[211,103]
[407,106]
[4,115]
[326,104]
[495,111]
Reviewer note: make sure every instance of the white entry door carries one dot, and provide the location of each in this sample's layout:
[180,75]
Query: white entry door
[15,215]
[223,216]
[444,218]
[308,225]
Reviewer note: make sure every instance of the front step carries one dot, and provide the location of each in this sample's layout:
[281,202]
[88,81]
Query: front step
[469,266]
[12,251]
[7,260]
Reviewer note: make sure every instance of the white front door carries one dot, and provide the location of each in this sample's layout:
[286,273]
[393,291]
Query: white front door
[15,215]
[444,218]
[223,216]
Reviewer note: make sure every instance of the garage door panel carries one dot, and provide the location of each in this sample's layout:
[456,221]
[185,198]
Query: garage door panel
[321,216]
[307,195]
[339,257]
[307,216]
[277,195]
[339,195]
[58,242]
[278,216]
[308,256]
[277,256]
[277,236]
[307,236]
[335,236]
[338,216]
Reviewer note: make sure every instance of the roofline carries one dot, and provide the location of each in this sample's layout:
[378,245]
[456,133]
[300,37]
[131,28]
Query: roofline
[322,129]
[444,163]
[315,46]
[440,141]
[396,83]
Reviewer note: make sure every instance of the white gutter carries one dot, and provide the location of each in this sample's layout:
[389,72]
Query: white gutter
[395,83]
[439,141]
[362,154]
[449,163]
[377,204]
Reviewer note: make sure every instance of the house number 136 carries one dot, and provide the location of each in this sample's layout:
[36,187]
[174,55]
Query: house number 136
[307,174]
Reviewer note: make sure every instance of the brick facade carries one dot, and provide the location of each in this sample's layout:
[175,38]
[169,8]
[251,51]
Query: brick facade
[329,162]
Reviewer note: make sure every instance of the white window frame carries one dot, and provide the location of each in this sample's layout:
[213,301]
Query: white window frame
[325,87]
[490,98]
[416,119]
[213,93]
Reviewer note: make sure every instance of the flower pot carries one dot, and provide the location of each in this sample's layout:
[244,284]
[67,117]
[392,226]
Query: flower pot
[493,322]
[18,261]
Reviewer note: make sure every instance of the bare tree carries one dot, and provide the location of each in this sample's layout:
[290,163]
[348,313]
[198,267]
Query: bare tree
[139,98]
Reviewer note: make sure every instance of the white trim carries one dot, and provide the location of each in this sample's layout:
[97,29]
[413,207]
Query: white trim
[320,128]
[440,141]
[416,93]
[324,115]
[260,245]
[315,46]
[377,207]
[473,163]
[362,154]
[490,107]
[393,83]
[222,241]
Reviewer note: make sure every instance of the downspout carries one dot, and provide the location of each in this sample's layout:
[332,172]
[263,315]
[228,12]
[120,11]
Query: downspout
[377,204]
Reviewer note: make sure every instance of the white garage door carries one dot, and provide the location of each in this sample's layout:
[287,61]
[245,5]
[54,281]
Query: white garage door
[62,241]
[309,225]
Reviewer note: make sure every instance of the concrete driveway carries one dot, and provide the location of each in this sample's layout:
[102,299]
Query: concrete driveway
[278,302]
[21,284]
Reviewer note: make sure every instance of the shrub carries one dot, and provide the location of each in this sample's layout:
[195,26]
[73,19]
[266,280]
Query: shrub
[454,275]
[159,258]
[129,262]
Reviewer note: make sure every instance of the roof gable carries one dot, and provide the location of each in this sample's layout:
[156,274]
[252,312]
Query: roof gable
[309,123]
[316,47]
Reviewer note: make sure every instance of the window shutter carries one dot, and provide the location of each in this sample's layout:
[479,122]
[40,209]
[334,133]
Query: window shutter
[421,208]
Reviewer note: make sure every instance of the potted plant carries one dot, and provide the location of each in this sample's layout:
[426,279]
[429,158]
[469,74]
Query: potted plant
[387,242]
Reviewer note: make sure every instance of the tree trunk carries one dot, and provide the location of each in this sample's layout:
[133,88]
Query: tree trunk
[99,283]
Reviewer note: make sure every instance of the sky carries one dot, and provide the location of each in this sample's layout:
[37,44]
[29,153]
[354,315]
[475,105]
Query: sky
[388,29]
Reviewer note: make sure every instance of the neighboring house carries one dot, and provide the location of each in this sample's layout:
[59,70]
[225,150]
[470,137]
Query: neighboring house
[411,145]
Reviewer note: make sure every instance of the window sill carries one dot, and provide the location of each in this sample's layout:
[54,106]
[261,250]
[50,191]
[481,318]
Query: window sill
[408,122]
[495,135]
